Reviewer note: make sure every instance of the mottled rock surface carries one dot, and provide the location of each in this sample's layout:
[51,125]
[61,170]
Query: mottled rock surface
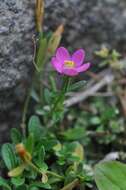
[88,24]
[16,29]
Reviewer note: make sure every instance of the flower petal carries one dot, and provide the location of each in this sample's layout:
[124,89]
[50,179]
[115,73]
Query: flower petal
[78,57]
[62,54]
[70,72]
[83,68]
[56,64]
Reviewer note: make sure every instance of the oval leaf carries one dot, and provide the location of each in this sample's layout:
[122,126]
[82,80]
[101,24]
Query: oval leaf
[17,171]
[4,184]
[8,156]
[110,175]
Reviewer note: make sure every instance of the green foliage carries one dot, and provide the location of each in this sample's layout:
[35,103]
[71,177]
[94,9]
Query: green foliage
[17,181]
[52,154]
[108,57]
[110,175]
[74,133]
[9,156]
[55,157]
[103,121]
[15,136]
[17,171]
[4,184]
[52,163]
[30,143]
[77,85]
[34,127]
[41,53]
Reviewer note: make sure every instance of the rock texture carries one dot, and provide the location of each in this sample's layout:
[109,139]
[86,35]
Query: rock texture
[88,24]
[16,28]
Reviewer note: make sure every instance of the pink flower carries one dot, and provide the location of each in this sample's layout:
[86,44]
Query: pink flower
[69,65]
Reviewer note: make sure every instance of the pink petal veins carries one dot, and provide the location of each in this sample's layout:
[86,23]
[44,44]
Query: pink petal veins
[83,68]
[62,54]
[78,57]
[56,64]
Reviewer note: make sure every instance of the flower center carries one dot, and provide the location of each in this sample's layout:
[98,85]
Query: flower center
[69,64]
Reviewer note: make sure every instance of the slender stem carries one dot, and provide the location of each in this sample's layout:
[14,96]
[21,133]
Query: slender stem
[23,123]
[39,171]
[55,175]
[39,13]
[71,185]
[40,88]
[26,105]
[61,96]
[34,167]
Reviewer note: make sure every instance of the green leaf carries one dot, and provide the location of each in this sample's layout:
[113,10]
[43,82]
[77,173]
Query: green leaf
[95,120]
[34,127]
[110,175]
[47,96]
[109,113]
[4,184]
[41,154]
[22,187]
[30,143]
[48,143]
[35,96]
[17,171]
[115,55]
[41,54]
[15,136]
[77,85]
[8,156]
[39,184]
[79,151]
[43,167]
[103,53]
[33,188]
[53,83]
[17,181]
[74,134]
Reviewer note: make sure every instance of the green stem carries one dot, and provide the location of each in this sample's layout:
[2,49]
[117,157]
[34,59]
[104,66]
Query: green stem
[41,89]
[26,105]
[33,166]
[39,171]
[71,185]
[55,175]
[61,96]
[23,123]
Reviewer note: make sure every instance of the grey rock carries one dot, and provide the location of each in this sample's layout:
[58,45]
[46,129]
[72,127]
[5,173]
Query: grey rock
[88,24]
[16,30]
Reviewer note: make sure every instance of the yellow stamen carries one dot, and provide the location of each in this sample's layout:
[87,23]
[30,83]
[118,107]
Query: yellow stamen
[69,64]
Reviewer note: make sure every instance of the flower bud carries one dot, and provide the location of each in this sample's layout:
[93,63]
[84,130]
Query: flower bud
[21,150]
[55,40]
[39,12]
